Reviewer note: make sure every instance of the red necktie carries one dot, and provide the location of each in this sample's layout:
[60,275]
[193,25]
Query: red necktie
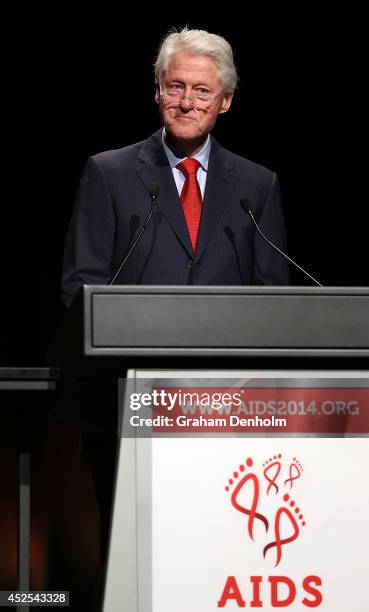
[191,199]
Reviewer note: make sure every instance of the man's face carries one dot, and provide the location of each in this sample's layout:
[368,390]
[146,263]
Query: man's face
[187,119]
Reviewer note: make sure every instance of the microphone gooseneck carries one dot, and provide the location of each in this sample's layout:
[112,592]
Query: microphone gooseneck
[154,189]
[246,206]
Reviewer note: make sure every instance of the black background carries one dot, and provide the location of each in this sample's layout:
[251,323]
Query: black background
[76,79]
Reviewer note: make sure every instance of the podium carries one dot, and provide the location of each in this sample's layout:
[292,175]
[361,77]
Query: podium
[257,339]
[146,322]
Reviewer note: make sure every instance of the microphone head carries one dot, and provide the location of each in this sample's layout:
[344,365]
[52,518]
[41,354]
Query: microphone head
[154,189]
[246,205]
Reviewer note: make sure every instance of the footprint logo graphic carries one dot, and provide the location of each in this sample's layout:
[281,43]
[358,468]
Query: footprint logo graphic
[289,512]
[295,472]
[272,471]
[282,516]
[247,480]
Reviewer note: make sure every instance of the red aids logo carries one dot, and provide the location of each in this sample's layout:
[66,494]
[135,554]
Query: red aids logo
[287,520]
[266,497]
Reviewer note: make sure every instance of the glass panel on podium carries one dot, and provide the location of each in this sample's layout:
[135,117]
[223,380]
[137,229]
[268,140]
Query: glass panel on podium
[240,489]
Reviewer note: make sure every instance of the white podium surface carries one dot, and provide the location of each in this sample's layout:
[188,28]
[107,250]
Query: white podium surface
[205,523]
[200,538]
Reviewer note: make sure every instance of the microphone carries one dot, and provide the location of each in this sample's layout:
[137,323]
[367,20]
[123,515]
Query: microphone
[154,189]
[246,206]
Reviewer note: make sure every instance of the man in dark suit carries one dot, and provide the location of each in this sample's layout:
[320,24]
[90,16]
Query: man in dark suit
[195,82]
[199,234]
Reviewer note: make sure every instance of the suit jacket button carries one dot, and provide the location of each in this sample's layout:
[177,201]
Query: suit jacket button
[189,264]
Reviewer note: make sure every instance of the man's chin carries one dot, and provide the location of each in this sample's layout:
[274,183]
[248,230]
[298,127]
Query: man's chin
[185,134]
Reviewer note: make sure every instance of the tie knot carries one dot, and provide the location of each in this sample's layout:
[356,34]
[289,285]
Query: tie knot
[189,166]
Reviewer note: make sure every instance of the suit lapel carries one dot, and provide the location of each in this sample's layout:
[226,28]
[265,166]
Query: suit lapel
[153,167]
[220,184]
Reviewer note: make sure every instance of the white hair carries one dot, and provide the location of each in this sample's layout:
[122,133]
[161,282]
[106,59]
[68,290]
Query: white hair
[198,42]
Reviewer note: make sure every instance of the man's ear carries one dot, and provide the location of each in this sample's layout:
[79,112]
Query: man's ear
[226,103]
[157,94]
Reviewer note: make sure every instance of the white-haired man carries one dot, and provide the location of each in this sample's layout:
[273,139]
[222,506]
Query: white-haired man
[199,233]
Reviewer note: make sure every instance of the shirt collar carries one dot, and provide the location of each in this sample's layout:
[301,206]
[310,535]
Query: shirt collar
[202,156]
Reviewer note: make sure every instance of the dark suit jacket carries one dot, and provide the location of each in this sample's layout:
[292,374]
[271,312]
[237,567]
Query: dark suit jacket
[113,202]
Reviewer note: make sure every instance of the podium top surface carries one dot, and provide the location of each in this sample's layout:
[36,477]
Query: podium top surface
[224,289]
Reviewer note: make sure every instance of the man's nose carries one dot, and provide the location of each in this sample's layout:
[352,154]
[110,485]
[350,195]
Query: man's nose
[187,100]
